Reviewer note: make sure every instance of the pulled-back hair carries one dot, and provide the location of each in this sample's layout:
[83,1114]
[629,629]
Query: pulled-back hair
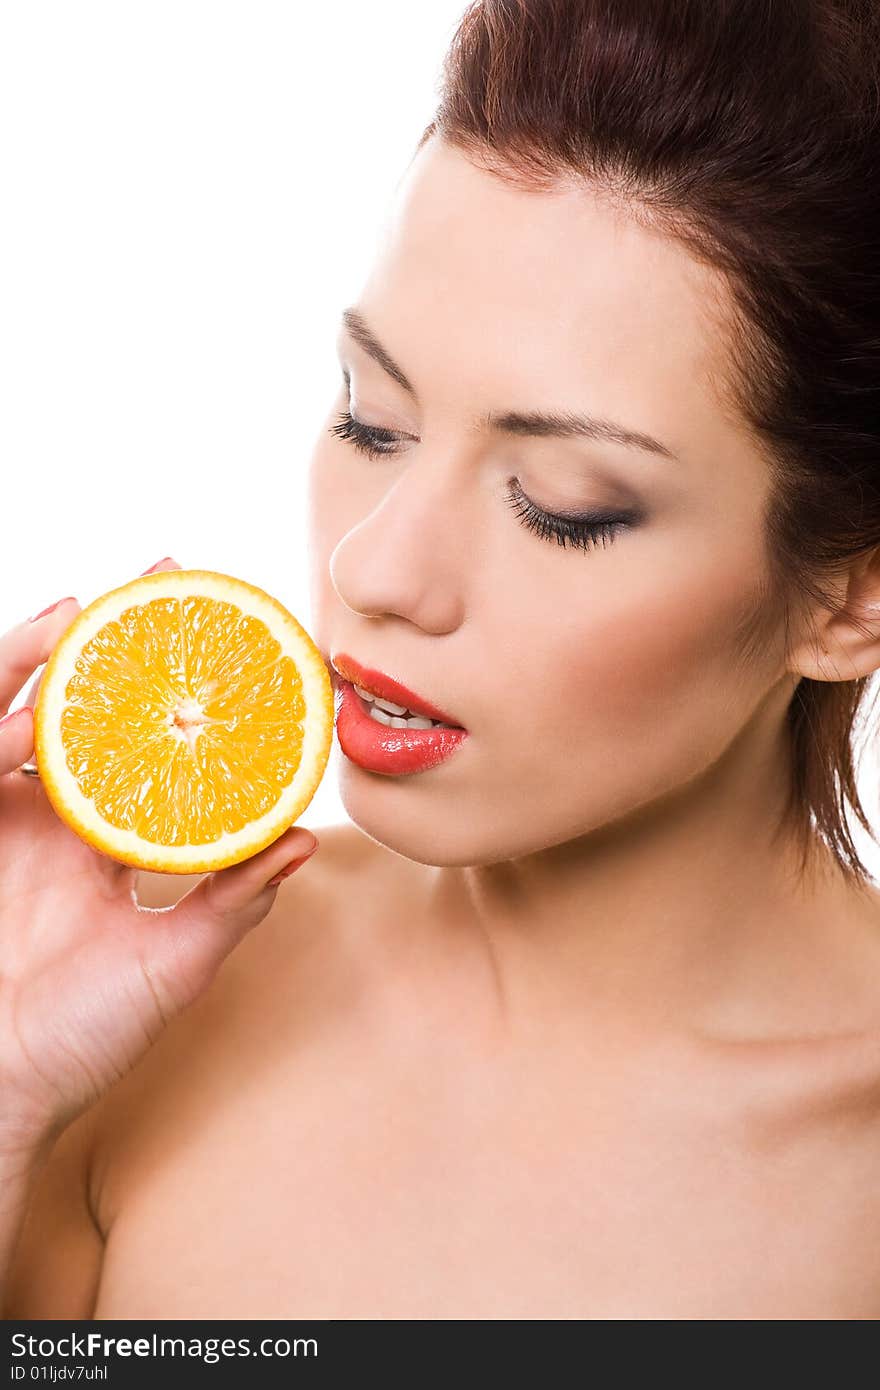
[750,131]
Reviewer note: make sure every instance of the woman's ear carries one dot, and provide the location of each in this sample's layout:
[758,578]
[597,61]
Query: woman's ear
[844,638]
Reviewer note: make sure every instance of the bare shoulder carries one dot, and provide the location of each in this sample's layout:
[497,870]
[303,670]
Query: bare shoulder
[308,937]
[303,973]
[806,1041]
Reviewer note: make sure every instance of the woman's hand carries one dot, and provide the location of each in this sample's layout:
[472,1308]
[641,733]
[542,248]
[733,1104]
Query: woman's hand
[88,978]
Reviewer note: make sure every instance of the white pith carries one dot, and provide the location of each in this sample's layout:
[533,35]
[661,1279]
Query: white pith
[186,721]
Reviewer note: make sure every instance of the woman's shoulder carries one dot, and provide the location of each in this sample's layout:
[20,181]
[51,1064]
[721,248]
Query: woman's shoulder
[805,1032]
[332,915]
[308,968]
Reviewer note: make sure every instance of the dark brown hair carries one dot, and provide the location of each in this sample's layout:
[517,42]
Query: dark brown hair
[749,130]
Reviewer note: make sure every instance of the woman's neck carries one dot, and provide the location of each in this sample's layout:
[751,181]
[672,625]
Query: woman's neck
[692,913]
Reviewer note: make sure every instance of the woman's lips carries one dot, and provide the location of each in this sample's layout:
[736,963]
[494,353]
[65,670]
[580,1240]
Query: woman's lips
[379,747]
[377,683]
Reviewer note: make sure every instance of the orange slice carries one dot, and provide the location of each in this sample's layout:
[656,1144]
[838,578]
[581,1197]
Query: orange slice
[183,722]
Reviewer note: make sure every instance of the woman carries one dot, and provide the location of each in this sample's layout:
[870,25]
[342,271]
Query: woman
[579,1018]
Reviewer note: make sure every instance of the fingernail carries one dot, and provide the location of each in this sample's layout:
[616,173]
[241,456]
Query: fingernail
[50,609]
[157,564]
[8,718]
[291,868]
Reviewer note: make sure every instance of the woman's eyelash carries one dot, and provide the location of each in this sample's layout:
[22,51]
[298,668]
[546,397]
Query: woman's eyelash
[581,532]
[368,438]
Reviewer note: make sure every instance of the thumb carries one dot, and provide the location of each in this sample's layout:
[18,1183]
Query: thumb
[183,947]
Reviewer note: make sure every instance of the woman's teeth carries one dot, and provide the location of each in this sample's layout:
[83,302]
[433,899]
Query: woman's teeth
[397,716]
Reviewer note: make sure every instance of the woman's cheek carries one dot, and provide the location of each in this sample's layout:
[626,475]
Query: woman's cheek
[659,682]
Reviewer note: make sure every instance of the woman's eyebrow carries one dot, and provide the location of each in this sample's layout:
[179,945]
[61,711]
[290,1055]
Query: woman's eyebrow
[364,335]
[559,425]
[565,425]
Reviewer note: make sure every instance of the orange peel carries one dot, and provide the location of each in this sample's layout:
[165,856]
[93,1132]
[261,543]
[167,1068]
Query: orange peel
[183,722]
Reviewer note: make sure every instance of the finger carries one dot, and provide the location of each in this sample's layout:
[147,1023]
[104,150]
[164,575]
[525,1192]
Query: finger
[160,566]
[28,645]
[16,739]
[183,946]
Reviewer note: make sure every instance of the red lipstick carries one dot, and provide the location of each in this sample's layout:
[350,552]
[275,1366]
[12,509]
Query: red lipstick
[377,746]
[377,683]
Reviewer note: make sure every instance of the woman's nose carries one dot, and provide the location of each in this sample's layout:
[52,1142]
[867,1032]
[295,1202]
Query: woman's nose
[409,556]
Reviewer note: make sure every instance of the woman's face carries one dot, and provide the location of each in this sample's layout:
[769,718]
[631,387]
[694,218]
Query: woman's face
[593,677]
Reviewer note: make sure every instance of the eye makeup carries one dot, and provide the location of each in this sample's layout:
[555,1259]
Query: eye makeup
[580,530]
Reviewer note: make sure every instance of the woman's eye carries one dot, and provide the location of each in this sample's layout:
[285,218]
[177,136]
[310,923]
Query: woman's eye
[370,439]
[580,532]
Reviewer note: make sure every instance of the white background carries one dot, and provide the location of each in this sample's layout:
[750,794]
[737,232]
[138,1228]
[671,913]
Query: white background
[191,193]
